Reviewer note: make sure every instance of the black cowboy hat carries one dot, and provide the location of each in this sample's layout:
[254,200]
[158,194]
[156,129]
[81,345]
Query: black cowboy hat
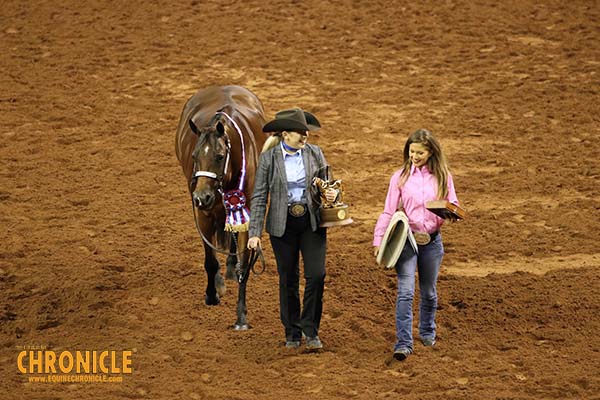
[294,119]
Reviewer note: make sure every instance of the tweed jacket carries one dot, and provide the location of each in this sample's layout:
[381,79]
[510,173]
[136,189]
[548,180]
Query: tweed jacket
[271,185]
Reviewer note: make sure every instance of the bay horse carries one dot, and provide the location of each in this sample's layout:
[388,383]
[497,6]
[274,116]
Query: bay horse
[218,143]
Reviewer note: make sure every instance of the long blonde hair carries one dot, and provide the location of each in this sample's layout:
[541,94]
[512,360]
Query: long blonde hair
[436,163]
[272,141]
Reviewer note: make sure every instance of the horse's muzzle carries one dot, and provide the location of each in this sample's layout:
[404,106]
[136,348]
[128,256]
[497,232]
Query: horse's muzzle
[203,200]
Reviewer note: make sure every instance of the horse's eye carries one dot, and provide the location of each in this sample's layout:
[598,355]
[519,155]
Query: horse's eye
[219,157]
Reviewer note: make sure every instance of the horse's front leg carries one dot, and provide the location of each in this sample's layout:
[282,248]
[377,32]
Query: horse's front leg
[242,311]
[231,262]
[215,285]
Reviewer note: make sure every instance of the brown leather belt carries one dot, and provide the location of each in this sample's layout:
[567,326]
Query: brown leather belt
[297,209]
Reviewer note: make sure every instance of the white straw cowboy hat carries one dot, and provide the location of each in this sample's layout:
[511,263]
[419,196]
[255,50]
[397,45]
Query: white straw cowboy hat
[394,239]
[294,119]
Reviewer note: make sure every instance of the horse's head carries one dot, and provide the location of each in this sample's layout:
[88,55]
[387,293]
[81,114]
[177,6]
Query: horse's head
[210,164]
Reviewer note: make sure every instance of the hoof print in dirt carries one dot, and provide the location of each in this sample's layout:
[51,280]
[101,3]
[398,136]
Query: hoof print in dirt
[49,323]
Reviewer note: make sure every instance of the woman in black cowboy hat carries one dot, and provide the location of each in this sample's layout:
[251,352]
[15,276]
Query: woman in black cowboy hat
[285,173]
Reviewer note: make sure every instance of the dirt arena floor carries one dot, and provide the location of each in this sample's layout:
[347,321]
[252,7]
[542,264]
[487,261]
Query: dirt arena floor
[98,247]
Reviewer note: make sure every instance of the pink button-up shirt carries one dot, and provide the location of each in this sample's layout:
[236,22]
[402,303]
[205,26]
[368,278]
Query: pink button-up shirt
[420,187]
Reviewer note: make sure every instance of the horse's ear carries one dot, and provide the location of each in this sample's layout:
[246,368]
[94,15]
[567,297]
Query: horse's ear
[220,129]
[194,128]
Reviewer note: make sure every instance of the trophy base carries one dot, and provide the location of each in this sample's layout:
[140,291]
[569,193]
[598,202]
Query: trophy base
[335,216]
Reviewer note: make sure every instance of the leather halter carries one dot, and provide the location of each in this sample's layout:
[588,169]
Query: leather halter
[210,174]
[214,175]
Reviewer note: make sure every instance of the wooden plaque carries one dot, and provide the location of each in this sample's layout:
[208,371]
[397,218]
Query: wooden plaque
[444,209]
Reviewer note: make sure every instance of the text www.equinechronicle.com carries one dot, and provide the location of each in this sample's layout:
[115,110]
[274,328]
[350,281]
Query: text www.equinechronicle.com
[76,379]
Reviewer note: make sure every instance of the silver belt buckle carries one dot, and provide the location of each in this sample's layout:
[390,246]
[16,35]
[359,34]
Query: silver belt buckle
[297,209]
[422,238]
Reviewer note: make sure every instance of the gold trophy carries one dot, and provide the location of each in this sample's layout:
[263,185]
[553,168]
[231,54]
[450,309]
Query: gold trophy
[332,213]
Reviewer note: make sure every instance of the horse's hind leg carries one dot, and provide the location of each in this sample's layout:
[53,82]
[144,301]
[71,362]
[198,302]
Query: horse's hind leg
[220,284]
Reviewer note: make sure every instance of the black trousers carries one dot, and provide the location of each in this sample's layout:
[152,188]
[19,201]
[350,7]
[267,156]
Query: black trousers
[299,238]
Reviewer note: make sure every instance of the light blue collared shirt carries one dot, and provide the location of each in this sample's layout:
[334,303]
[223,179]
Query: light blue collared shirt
[296,176]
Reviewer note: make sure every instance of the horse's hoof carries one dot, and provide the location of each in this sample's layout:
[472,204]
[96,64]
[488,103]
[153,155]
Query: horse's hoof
[220,285]
[230,273]
[212,301]
[241,327]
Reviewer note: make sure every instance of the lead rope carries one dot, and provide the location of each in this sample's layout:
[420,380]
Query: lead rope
[238,264]
[208,242]
[255,254]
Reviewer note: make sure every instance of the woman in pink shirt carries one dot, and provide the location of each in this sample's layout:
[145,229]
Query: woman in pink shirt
[424,176]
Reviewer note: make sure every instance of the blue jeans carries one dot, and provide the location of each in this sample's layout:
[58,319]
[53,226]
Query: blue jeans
[428,263]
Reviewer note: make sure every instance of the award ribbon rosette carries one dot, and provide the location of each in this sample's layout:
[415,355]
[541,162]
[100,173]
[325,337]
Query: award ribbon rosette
[238,215]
